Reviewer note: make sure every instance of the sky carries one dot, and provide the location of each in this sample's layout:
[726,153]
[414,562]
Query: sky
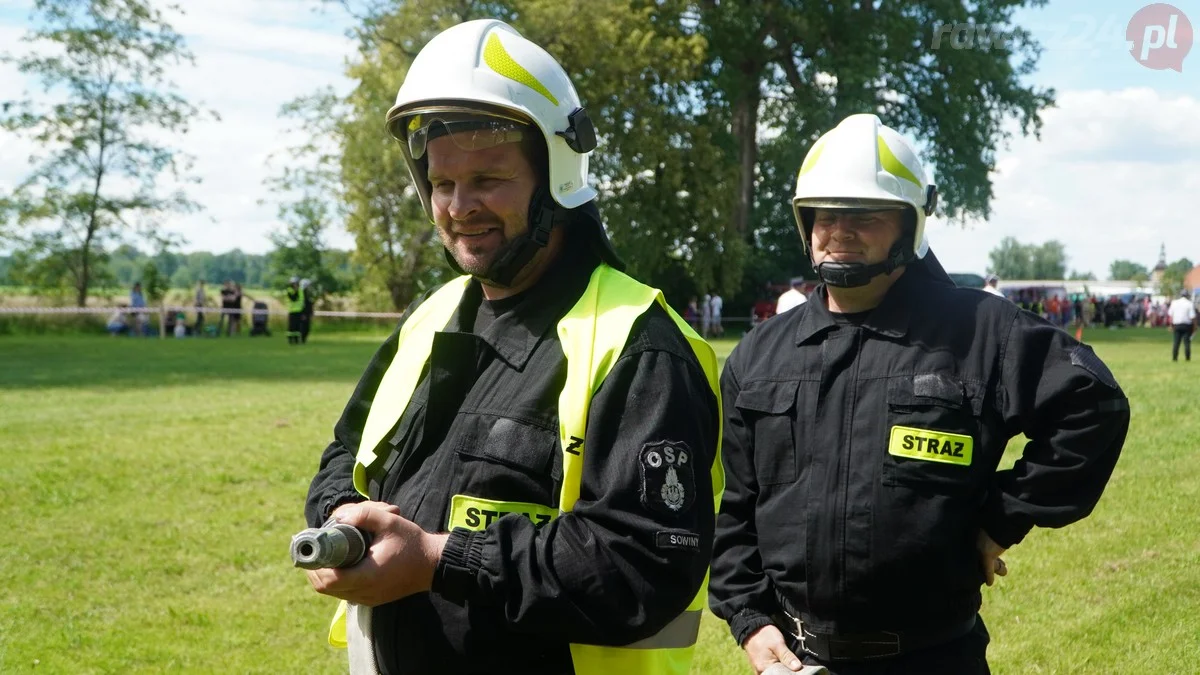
[1111,176]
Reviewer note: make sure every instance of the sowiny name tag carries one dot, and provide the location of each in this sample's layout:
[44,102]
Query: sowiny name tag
[931,446]
[476,514]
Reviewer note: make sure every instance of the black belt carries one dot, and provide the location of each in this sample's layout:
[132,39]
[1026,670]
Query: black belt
[866,646]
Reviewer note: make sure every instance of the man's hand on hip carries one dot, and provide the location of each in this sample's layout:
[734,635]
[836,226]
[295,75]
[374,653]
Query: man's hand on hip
[989,557]
[400,562]
[765,647]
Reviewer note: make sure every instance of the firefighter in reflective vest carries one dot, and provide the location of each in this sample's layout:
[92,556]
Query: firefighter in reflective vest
[535,449]
[295,305]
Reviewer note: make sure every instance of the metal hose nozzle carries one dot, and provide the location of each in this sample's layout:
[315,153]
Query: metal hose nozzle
[333,544]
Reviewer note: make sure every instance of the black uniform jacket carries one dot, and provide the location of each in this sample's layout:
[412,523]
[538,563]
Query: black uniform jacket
[862,455]
[483,422]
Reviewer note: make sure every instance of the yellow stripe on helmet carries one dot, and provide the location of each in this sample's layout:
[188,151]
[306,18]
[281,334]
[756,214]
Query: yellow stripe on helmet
[893,165]
[499,60]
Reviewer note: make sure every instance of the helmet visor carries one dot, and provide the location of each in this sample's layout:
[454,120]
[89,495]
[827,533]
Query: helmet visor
[468,131]
[850,204]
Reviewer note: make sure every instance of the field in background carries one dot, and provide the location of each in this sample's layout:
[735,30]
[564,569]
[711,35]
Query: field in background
[151,488]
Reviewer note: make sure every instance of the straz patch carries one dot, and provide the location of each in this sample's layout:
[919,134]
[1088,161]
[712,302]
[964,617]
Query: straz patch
[476,514]
[668,486]
[689,541]
[931,446]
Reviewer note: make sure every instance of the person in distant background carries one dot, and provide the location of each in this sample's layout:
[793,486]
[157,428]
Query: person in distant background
[229,302]
[235,317]
[792,297]
[137,302]
[306,314]
[991,285]
[706,315]
[716,305]
[201,301]
[116,323]
[1183,321]
[295,307]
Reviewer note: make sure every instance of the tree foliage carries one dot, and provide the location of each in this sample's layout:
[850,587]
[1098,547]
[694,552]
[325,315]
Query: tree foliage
[784,72]
[104,63]
[309,197]
[704,110]
[1127,270]
[1171,282]
[1014,260]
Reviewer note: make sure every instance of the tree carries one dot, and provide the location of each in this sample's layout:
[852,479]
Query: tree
[704,110]
[1172,279]
[1076,275]
[1126,270]
[1014,260]
[784,72]
[308,195]
[1010,260]
[663,165]
[154,284]
[1048,261]
[104,60]
[395,244]
[661,168]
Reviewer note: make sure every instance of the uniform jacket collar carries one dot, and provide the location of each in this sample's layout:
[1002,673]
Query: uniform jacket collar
[890,318]
[514,334]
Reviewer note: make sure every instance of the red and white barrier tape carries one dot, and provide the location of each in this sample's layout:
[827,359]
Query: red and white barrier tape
[220,310]
[188,310]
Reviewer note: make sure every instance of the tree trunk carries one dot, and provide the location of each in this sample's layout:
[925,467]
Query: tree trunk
[744,127]
[86,251]
[403,284]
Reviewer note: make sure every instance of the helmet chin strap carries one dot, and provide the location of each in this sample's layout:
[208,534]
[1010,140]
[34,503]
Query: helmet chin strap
[544,212]
[856,274]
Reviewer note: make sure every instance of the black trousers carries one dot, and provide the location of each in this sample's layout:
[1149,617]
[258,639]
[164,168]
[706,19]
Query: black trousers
[305,324]
[1182,334]
[293,331]
[966,655]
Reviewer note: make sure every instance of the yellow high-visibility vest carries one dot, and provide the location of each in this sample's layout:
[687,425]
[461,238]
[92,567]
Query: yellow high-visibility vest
[296,304]
[612,301]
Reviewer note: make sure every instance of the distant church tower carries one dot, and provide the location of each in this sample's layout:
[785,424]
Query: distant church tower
[1157,274]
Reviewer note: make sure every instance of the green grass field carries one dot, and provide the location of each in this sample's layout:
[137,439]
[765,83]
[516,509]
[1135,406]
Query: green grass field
[151,488]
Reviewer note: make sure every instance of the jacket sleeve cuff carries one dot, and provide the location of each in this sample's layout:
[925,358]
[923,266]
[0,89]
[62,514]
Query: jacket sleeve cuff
[458,568]
[336,499]
[1007,530]
[746,622]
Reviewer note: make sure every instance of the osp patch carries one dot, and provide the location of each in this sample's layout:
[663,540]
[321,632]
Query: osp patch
[668,481]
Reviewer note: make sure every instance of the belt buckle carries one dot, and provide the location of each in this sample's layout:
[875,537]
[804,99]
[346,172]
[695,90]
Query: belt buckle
[802,634]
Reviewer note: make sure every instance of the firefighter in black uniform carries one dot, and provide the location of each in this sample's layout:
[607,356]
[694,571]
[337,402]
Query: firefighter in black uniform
[308,296]
[497,547]
[295,307]
[863,507]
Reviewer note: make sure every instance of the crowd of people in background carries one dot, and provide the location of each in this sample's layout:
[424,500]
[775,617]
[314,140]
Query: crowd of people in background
[1089,310]
[704,315]
[133,318]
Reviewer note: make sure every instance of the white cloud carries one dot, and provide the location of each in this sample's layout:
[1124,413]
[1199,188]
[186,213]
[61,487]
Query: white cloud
[1112,178]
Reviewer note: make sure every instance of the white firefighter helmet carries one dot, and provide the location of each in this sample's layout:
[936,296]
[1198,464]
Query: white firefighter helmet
[861,164]
[487,67]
